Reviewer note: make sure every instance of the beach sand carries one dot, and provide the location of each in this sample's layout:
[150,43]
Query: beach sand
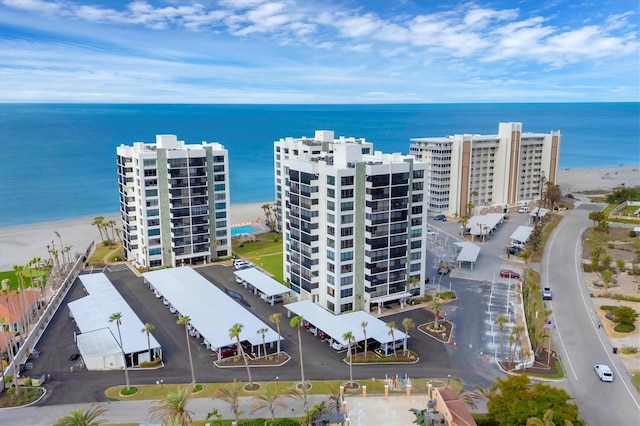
[19,244]
[597,178]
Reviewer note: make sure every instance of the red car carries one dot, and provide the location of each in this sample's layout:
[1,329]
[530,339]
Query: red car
[228,351]
[505,273]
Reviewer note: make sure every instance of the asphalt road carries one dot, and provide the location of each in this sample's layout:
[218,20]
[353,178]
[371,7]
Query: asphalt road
[580,343]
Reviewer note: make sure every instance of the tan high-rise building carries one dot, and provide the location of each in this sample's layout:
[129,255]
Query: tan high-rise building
[487,170]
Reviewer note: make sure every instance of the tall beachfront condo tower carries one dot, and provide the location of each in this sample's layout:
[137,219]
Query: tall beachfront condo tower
[487,170]
[353,221]
[174,202]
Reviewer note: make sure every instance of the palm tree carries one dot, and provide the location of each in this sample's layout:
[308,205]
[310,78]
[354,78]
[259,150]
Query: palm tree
[185,322]
[501,320]
[463,221]
[275,319]
[80,417]
[230,395]
[117,317]
[61,245]
[296,322]
[98,222]
[262,331]
[171,409]
[435,305]
[391,326]
[148,328]
[234,333]
[348,336]
[515,335]
[270,399]
[407,323]
[364,324]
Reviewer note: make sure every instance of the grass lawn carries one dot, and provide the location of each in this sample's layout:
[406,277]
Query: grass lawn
[636,379]
[265,252]
[318,387]
[27,274]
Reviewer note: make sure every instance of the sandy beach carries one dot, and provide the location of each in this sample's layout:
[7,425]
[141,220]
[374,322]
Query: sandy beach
[597,178]
[19,244]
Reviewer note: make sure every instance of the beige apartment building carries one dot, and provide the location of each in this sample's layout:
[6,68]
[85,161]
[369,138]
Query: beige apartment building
[507,168]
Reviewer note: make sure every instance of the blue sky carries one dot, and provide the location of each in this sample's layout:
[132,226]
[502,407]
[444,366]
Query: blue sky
[321,51]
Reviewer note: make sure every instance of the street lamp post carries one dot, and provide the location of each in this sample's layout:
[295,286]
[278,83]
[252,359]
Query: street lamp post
[277,383]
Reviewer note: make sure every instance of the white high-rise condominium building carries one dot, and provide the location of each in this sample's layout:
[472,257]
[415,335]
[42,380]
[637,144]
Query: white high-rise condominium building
[174,202]
[485,170]
[353,221]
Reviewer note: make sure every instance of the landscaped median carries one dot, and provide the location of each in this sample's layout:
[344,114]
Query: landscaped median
[318,387]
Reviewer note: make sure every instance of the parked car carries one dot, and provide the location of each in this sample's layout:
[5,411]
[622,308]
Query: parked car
[277,298]
[604,372]
[74,357]
[523,209]
[242,264]
[338,346]
[546,293]
[444,269]
[440,217]
[228,351]
[506,273]
[514,250]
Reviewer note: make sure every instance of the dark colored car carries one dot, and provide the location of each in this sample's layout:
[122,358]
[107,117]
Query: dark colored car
[514,250]
[228,351]
[74,357]
[506,273]
[440,217]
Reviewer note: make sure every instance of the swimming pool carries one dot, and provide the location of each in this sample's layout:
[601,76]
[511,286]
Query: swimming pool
[243,230]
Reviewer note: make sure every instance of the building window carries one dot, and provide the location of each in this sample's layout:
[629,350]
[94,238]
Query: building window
[347,218]
[331,242]
[331,255]
[346,180]
[219,187]
[331,180]
[331,193]
[330,291]
[331,205]
[346,307]
[331,279]
[346,206]
[151,192]
[331,267]
[346,292]
[348,255]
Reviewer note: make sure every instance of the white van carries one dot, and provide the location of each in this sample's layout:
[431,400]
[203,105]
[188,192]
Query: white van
[276,298]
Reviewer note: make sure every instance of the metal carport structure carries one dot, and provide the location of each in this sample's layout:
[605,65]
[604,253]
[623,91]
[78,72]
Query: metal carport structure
[336,326]
[193,295]
[92,312]
[261,281]
[468,253]
[521,234]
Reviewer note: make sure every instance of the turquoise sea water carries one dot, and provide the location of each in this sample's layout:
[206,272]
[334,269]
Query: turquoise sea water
[58,160]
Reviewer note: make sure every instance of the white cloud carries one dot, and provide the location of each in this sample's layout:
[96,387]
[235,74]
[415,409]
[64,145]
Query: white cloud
[257,43]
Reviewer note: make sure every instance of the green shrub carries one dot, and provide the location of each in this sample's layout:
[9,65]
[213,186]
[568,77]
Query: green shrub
[608,308]
[625,315]
[587,267]
[629,350]
[571,196]
[130,391]
[447,295]
[197,388]
[627,297]
[624,328]
[633,234]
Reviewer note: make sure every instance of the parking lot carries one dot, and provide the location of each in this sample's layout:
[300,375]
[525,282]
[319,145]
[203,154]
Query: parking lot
[321,361]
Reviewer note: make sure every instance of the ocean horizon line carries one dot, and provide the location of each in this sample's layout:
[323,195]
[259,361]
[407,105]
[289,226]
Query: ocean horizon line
[321,103]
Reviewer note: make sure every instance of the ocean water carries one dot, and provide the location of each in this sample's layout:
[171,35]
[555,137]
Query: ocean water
[58,160]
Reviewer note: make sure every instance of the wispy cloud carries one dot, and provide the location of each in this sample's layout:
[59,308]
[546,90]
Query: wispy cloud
[300,51]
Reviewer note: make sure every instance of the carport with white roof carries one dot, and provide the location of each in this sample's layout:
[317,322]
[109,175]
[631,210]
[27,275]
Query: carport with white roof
[521,234]
[193,295]
[483,225]
[99,337]
[261,282]
[468,253]
[336,326]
